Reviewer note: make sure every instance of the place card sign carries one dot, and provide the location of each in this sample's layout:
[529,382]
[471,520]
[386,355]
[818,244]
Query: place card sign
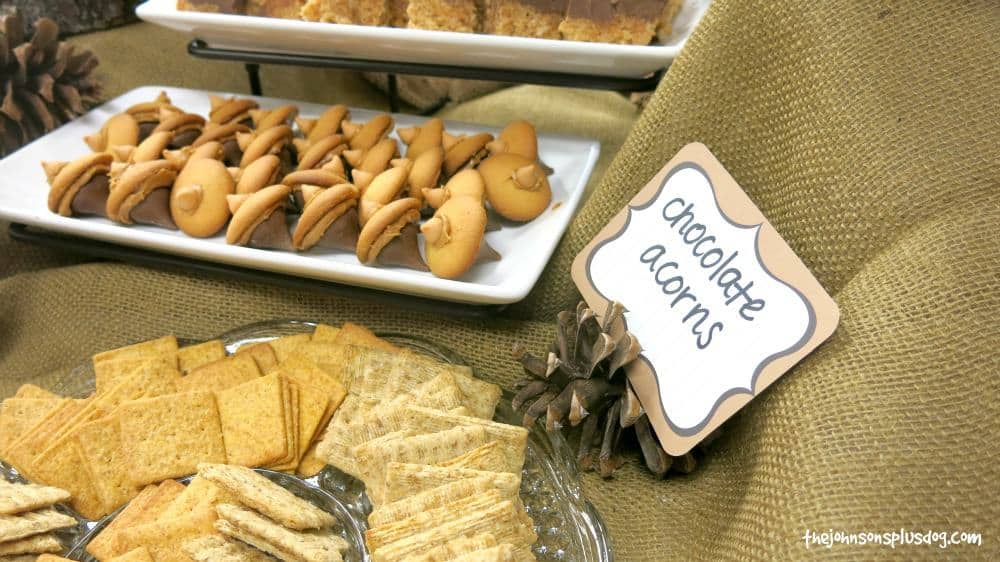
[720,304]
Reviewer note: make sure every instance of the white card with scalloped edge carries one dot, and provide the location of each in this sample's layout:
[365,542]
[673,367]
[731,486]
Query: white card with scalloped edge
[719,302]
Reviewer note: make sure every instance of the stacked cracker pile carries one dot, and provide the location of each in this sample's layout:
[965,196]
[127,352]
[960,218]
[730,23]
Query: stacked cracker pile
[227,512]
[443,479]
[160,410]
[28,520]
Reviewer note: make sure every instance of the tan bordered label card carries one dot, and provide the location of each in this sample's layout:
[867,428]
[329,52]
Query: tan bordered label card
[720,304]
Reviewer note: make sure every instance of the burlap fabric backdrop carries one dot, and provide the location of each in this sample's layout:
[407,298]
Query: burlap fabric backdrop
[865,131]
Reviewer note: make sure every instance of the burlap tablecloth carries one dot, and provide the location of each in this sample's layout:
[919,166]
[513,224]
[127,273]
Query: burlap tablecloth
[867,132]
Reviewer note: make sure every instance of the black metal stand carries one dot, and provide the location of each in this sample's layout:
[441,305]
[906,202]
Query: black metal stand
[254,59]
[96,248]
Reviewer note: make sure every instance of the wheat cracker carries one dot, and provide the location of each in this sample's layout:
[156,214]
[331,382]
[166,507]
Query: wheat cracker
[262,353]
[432,498]
[215,548]
[220,374]
[14,527]
[403,480]
[378,536]
[144,508]
[35,544]
[325,332]
[17,498]
[140,554]
[167,436]
[191,357]
[257,492]
[287,544]
[253,417]
[35,392]
[286,346]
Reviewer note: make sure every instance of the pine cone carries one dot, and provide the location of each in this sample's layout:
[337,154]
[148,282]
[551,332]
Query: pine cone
[582,381]
[45,82]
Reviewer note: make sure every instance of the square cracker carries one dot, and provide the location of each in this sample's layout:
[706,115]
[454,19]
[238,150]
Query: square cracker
[325,332]
[430,499]
[290,398]
[287,544]
[311,464]
[314,403]
[263,355]
[257,492]
[18,415]
[14,527]
[215,548]
[144,508]
[100,444]
[140,554]
[22,451]
[167,436]
[505,520]
[18,498]
[220,375]
[154,375]
[253,421]
[163,539]
[304,371]
[340,362]
[35,544]
[403,480]
[459,547]
[382,535]
[60,466]
[191,357]
[166,345]
[287,345]
[488,457]
[29,390]
[425,448]
[354,334]
[514,439]
[199,492]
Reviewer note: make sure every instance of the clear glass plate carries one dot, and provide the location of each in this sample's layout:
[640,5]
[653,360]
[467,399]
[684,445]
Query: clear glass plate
[569,528]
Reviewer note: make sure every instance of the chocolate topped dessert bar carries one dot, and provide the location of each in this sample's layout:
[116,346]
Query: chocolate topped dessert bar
[524,18]
[443,15]
[631,22]
[288,9]
[213,6]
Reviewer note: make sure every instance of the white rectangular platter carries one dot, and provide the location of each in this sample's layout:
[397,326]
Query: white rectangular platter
[525,248]
[428,47]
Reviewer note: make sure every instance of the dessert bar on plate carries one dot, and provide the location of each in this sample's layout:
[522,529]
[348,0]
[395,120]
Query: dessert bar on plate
[370,42]
[525,247]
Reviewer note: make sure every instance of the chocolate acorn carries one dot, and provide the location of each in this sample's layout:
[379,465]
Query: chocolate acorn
[120,130]
[518,137]
[264,119]
[516,187]
[225,135]
[364,136]
[231,110]
[79,187]
[329,218]
[185,126]
[261,173]
[150,149]
[321,177]
[182,156]
[465,151]
[323,152]
[198,202]
[374,160]
[455,237]
[140,193]
[275,140]
[425,172]
[466,183]
[420,139]
[383,189]
[390,236]
[147,114]
[315,129]
[259,219]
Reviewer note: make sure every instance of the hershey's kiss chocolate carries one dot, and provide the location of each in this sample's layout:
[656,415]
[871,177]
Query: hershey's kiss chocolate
[92,198]
[403,250]
[272,233]
[154,209]
[342,233]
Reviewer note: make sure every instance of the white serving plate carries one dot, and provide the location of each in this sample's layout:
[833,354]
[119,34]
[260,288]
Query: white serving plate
[422,46]
[525,248]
